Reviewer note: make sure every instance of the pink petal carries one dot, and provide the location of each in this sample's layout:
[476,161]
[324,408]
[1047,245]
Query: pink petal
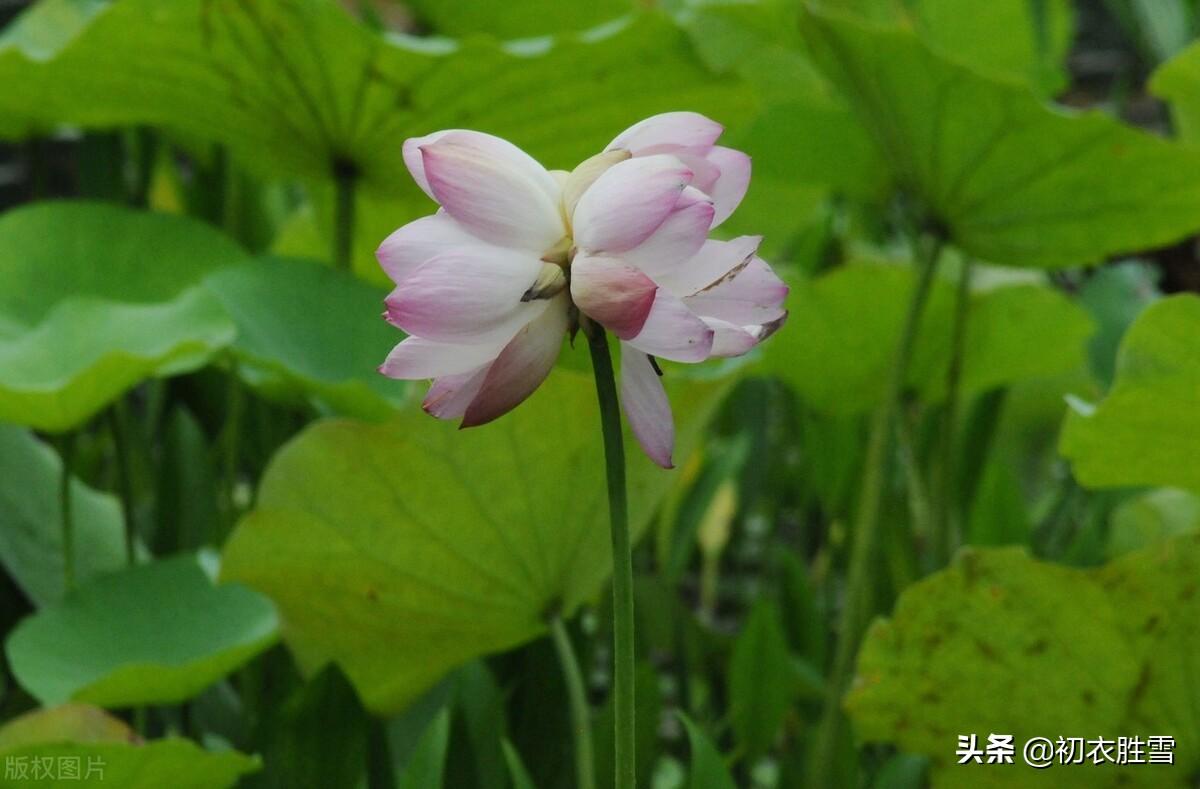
[677,239]
[613,293]
[754,295]
[417,358]
[508,199]
[715,261]
[467,295]
[646,406]
[415,243]
[731,186]
[673,332]
[450,395]
[675,129]
[628,203]
[521,366]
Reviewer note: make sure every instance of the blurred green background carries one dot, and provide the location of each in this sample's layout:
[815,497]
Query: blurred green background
[235,555]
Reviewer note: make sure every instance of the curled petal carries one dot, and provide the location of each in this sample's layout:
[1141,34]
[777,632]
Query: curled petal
[628,203]
[730,187]
[677,239]
[406,249]
[415,162]
[753,295]
[450,395]
[716,260]
[417,358]
[466,296]
[672,331]
[508,200]
[731,340]
[613,293]
[521,366]
[669,129]
[646,406]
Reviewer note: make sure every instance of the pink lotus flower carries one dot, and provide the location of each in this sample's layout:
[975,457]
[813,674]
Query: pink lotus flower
[489,285]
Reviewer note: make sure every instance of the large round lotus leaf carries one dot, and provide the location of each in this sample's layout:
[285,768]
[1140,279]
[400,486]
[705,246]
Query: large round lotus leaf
[93,299]
[403,549]
[155,633]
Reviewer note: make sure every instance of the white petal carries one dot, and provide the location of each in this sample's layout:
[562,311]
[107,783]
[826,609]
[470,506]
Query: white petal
[715,261]
[646,406]
[628,203]
[494,146]
[465,297]
[673,332]
[729,189]
[669,129]
[507,200]
[731,340]
[753,295]
[679,238]
[451,395]
[416,358]
[406,249]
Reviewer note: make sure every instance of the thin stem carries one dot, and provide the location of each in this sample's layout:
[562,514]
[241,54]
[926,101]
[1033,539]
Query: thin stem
[230,444]
[585,768]
[623,628]
[860,590]
[344,178]
[67,451]
[946,524]
[116,425]
[919,505]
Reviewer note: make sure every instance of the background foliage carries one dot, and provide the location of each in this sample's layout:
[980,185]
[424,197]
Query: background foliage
[280,573]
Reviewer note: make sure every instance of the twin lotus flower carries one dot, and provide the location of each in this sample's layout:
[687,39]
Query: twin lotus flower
[518,256]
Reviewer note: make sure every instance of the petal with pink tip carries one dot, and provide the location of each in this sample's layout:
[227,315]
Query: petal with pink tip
[677,239]
[406,249]
[715,261]
[521,366]
[669,129]
[754,295]
[490,144]
[507,200]
[451,395]
[417,358]
[646,406]
[628,203]
[467,296]
[674,332]
[729,189]
[613,293]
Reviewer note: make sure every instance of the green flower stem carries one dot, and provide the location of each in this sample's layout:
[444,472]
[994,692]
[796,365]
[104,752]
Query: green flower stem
[116,425]
[585,768]
[860,588]
[614,456]
[67,452]
[946,525]
[344,179]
